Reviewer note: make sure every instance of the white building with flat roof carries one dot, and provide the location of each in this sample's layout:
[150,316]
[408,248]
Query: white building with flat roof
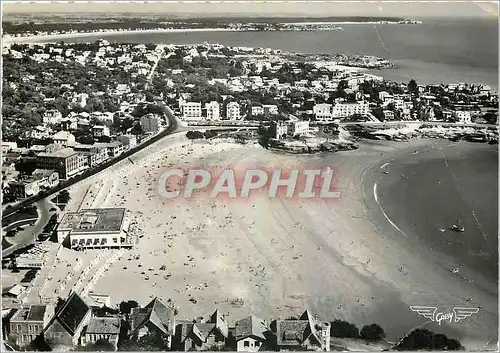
[299,128]
[343,110]
[462,117]
[191,110]
[95,228]
[323,112]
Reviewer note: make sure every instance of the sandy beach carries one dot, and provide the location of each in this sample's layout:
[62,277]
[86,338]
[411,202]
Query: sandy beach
[270,257]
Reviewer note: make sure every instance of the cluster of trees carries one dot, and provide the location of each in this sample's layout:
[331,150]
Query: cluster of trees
[423,339]
[206,67]
[196,135]
[63,196]
[344,329]
[23,100]
[419,339]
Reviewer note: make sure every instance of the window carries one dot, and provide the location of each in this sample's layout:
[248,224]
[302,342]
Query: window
[115,240]
[19,327]
[246,344]
[257,344]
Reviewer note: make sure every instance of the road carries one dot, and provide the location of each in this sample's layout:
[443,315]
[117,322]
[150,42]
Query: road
[150,76]
[30,233]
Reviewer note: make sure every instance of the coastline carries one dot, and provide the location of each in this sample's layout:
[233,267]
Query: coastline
[55,37]
[41,38]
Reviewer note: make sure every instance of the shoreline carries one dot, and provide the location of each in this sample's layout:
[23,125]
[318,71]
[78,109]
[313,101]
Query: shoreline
[52,37]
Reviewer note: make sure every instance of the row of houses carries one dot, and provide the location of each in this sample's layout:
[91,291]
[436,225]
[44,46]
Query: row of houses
[79,322]
[151,123]
[55,162]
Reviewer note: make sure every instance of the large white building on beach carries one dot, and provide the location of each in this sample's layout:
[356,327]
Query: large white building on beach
[95,228]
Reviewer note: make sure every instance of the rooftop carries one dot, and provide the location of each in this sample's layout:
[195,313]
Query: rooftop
[93,220]
[72,313]
[157,313]
[250,326]
[63,153]
[32,313]
[62,135]
[102,325]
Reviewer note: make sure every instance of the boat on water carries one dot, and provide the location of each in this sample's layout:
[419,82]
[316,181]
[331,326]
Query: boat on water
[458,227]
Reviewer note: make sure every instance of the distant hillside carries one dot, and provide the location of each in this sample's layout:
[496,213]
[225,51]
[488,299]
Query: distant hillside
[209,18]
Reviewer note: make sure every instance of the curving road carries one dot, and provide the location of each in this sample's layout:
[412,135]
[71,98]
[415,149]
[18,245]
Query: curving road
[29,234]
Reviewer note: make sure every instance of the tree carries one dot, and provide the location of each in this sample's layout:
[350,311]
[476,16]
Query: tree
[100,345]
[378,113]
[412,86]
[193,135]
[343,329]
[64,196]
[39,345]
[137,129]
[126,307]
[153,342]
[130,346]
[85,139]
[423,339]
[104,138]
[342,85]
[372,332]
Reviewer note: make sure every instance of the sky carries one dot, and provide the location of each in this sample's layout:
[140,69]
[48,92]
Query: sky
[413,9]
